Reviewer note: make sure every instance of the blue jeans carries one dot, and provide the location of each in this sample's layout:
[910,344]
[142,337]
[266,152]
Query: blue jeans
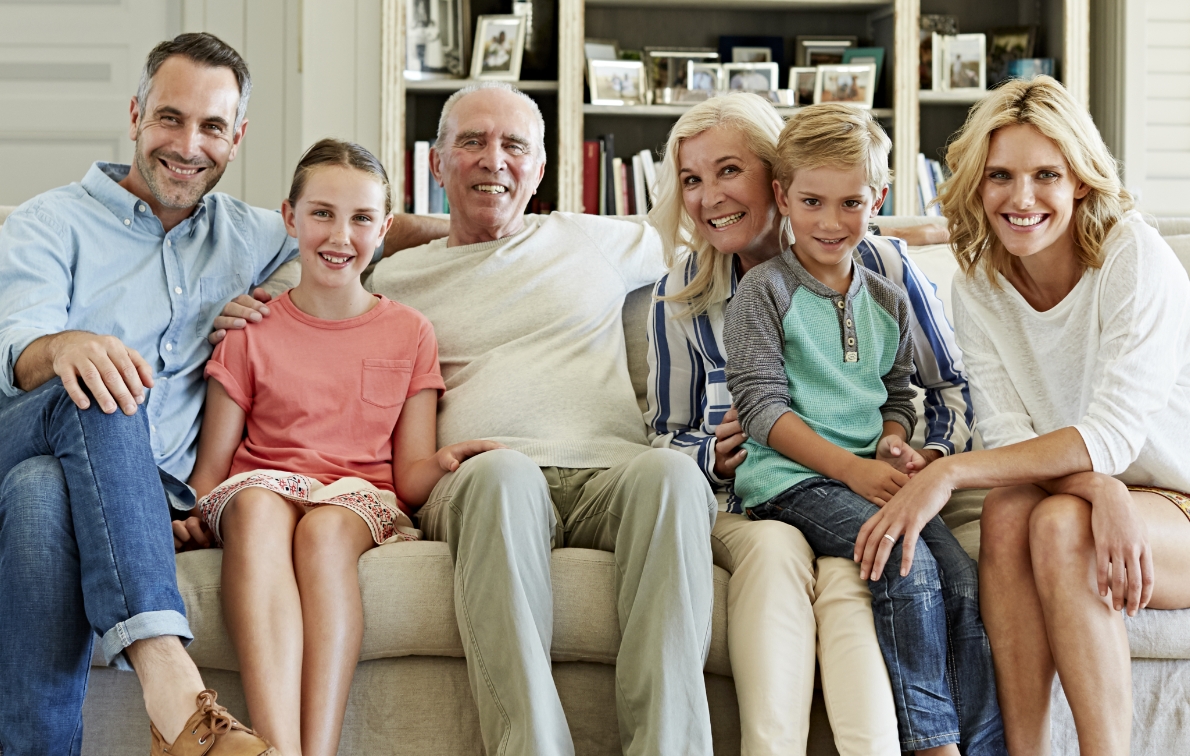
[934,645]
[85,549]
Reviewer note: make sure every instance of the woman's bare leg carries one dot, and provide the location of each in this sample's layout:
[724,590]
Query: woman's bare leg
[326,550]
[1013,617]
[1090,644]
[264,612]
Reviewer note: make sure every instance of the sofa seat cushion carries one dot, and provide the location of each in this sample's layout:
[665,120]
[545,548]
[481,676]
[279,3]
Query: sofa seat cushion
[1159,634]
[408,594]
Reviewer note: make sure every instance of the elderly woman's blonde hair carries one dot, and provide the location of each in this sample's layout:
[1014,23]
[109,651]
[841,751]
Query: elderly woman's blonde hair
[1045,105]
[834,135]
[760,124]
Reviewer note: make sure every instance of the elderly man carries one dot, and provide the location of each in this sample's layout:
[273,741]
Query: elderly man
[107,290]
[527,314]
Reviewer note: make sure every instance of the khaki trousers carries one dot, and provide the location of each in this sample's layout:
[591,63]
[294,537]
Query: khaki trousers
[778,604]
[500,513]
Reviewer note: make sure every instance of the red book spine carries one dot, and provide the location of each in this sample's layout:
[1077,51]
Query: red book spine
[591,177]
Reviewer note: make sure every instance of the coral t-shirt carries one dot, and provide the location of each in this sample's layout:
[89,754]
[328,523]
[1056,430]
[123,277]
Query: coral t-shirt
[323,396]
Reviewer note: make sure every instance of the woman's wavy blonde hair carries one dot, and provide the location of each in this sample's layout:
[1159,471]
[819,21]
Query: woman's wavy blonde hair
[760,125]
[1044,104]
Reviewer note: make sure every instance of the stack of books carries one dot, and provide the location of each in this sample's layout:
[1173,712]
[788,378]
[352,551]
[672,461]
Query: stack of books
[422,193]
[929,176]
[617,186]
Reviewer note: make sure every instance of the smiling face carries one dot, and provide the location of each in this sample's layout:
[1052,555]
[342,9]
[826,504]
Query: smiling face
[828,210]
[186,137]
[727,192]
[339,221]
[1029,192]
[491,165]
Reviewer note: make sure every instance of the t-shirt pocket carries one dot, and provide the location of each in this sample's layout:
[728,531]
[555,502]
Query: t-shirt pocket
[385,382]
[213,293]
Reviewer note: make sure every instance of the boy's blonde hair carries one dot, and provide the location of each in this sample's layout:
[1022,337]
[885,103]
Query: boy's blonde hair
[839,136]
[758,121]
[1045,105]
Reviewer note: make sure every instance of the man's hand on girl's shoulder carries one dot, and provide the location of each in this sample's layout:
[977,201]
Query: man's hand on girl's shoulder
[239,312]
[190,534]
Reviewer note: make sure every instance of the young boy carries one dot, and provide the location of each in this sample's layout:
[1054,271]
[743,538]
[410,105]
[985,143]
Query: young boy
[819,355]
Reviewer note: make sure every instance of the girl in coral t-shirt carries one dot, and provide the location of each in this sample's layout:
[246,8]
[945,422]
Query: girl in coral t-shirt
[323,415]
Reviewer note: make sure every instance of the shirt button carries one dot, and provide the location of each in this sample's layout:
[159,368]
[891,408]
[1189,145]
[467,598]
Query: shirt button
[141,208]
[168,242]
[178,290]
[169,347]
[839,304]
[152,428]
[127,221]
[850,342]
[847,321]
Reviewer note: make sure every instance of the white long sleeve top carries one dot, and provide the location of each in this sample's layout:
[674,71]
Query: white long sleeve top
[1112,360]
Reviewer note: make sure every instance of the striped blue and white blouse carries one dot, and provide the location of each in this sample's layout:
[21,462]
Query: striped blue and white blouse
[687,391]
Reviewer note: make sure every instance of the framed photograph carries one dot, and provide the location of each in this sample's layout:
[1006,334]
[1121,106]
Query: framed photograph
[752,48]
[853,85]
[499,44]
[1006,45]
[666,67]
[434,41]
[616,82]
[929,25]
[601,49]
[750,77]
[855,56]
[822,51]
[802,80]
[704,77]
[751,55]
[965,62]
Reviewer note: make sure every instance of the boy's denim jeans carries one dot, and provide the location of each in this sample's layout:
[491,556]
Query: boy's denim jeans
[938,657]
[85,549]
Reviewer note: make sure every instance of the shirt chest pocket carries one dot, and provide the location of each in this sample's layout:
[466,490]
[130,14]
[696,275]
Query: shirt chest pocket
[213,293]
[386,382]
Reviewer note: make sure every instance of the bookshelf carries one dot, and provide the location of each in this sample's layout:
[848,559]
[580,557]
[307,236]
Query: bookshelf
[917,121]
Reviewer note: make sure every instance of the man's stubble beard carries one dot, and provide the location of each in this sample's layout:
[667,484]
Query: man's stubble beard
[182,198]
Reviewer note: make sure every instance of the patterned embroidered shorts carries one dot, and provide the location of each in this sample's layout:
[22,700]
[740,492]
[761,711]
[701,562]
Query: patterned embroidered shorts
[1181,500]
[378,508]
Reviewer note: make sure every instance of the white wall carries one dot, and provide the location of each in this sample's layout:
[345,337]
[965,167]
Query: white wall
[1156,98]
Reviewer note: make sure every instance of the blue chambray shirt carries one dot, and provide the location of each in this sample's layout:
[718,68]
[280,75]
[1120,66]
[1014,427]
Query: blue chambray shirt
[93,257]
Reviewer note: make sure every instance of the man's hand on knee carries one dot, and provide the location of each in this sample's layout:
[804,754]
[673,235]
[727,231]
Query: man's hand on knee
[115,373]
[239,312]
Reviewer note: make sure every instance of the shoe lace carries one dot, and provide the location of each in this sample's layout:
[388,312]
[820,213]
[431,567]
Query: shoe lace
[218,719]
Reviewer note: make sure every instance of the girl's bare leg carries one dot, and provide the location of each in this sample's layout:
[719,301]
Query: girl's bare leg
[1012,614]
[326,550]
[264,612]
[1090,645]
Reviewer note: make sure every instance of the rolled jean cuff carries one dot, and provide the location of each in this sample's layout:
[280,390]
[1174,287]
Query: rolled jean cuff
[139,627]
[934,741]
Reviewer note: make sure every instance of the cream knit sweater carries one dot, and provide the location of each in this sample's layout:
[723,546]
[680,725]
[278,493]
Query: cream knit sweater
[530,337]
[1112,359]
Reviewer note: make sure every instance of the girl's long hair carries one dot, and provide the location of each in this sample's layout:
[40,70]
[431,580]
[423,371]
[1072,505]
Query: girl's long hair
[760,124]
[1045,105]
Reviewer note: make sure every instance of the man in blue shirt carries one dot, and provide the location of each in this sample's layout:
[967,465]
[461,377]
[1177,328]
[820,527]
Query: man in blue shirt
[108,289]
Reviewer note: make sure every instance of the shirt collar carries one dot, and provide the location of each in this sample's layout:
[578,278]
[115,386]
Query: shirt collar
[103,183]
[813,284]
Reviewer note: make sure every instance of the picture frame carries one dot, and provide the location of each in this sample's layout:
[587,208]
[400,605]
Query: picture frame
[750,77]
[964,63]
[802,80]
[848,84]
[665,67]
[601,49]
[617,82]
[499,46]
[751,55]
[822,50]
[928,25]
[854,56]
[436,38]
[1005,45]
[704,77]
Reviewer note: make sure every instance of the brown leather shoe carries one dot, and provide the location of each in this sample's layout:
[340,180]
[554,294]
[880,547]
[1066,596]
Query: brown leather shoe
[212,731]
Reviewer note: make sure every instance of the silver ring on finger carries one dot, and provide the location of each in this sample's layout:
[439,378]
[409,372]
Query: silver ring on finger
[891,540]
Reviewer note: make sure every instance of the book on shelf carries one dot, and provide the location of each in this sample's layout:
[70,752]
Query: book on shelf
[421,177]
[929,176]
[617,186]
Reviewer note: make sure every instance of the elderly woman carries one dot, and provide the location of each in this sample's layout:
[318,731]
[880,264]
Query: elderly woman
[1074,319]
[717,216]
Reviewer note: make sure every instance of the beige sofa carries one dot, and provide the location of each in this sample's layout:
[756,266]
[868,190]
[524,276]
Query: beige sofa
[411,695]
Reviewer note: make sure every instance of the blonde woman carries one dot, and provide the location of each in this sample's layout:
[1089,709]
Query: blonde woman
[1074,320]
[717,217]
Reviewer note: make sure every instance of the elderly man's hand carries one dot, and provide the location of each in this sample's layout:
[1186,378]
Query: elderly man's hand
[239,312]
